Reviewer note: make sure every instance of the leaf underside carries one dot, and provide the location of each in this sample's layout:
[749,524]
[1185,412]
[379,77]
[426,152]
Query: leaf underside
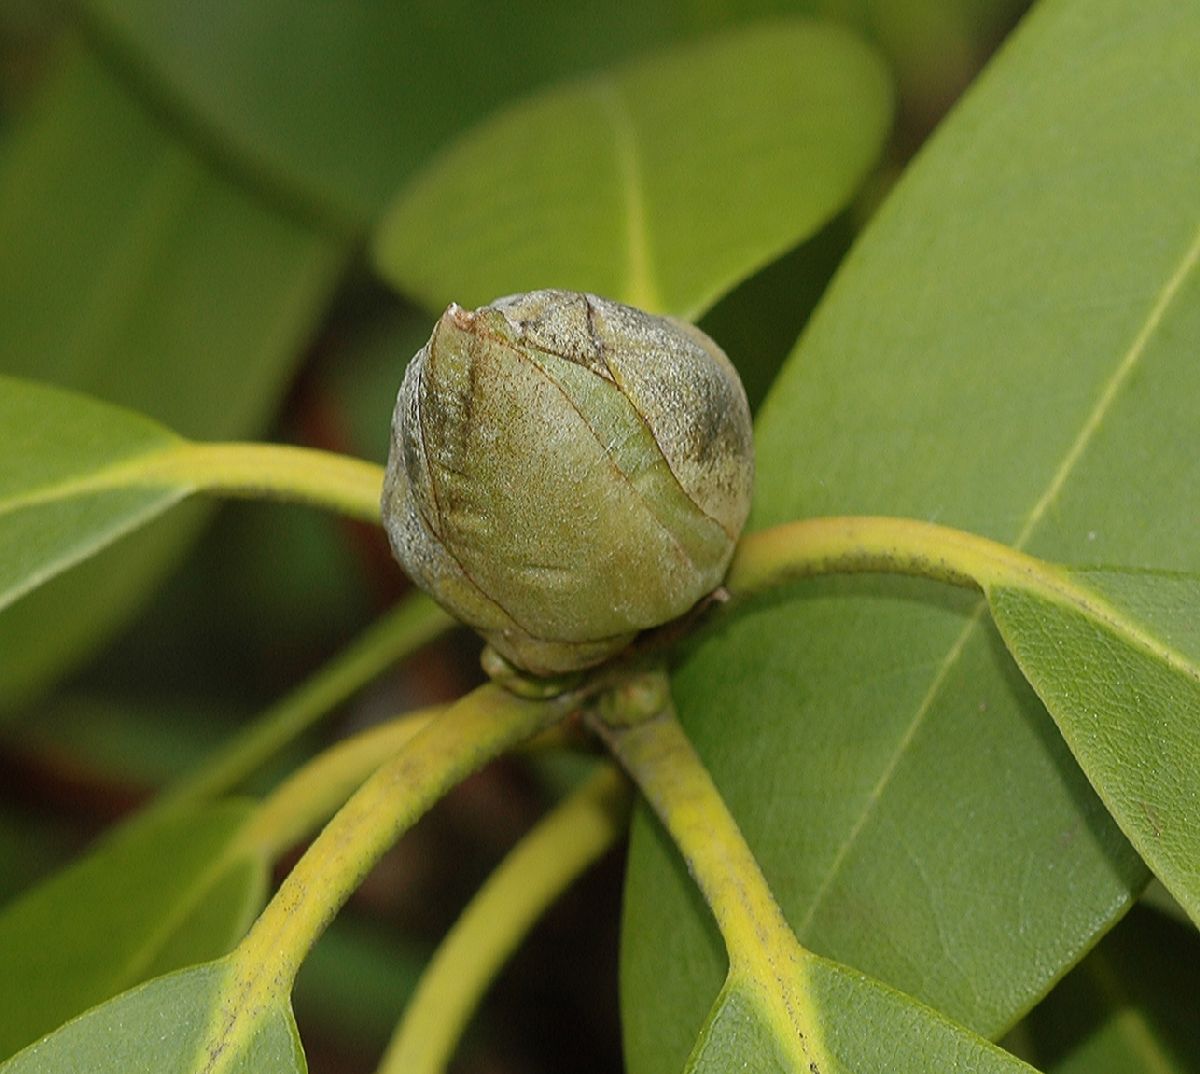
[1122,679]
[144,902]
[138,272]
[869,1027]
[161,1027]
[1010,350]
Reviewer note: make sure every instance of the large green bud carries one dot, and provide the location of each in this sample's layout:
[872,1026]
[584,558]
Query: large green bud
[566,471]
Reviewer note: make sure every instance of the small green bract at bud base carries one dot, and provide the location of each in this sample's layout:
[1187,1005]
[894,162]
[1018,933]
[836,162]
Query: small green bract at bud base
[566,471]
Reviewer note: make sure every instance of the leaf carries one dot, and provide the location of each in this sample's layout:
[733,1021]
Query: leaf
[1114,654]
[782,1009]
[1116,660]
[661,184]
[235,1014]
[136,271]
[339,110]
[1011,350]
[82,473]
[889,1032]
[1119,1011]
[340,107]
[154,897]
[166,1026]
[55,507]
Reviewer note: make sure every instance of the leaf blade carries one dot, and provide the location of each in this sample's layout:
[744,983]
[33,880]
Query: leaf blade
[1127,703]
[83,473]
[1013,268]
[139,902]
[1118,1011]
[53,444]
[138,272]
[598,185]
[166,1025]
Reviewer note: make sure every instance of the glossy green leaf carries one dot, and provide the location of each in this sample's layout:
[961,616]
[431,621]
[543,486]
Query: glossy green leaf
[338,106]
[1119,669]
[783,1010]
[888,1032]
[154,897]
[868,1027]
[55,509]
[138,272]
[80,473]
[1010,349]
[1126,1008]
[166,1026]
[338,110]
[661,184]
[1114,654]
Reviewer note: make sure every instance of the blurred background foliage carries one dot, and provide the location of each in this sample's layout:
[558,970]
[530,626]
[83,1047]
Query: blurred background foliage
[186,196]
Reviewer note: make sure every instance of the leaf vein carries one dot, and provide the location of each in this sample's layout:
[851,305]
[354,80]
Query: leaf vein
[1112,388]
[1120,376]
[640,286]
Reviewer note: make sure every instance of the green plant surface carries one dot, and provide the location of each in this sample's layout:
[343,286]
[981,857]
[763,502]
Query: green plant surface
[337,107]
[235,1014]
[1125,692]
[598,185]
[1009,349]
[166,1026]
[79,473]
[337,110]
[1125,1008]
[138,272]
[169,890]
[782,1010]
[176,884]
[1114,655]
[865,1027]
[53,512]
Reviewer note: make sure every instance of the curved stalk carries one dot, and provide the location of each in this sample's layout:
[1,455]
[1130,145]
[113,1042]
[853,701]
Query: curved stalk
[775,557]
[471,732]
[314,792]
[764,954]
[267,471]
[812,546]
[311,794]
[533,875]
